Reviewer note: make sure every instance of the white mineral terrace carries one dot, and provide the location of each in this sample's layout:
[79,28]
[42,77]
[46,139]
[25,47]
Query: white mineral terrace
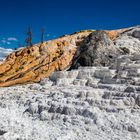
[91,103]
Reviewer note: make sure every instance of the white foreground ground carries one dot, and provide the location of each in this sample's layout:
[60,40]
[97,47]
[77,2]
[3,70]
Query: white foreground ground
[67,113]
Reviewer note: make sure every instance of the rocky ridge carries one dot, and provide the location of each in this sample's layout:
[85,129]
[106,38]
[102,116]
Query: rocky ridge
[101,48]
[98,99]
[31,64]
[85,48]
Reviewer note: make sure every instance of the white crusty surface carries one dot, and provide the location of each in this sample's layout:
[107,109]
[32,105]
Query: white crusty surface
[91,103]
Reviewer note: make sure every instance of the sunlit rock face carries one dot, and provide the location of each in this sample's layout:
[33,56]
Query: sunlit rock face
[31,64]
[84,48]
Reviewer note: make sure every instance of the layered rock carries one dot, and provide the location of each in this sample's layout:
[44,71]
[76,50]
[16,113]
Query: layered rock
[85,103]
[97,49]
[101,48]
[84,48]
[31,64]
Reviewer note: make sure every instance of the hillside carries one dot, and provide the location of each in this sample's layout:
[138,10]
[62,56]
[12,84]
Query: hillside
[85,48]
[41,60]
[83,86]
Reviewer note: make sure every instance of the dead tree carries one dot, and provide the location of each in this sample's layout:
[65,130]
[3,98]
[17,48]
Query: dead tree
[29,37]
[42,34]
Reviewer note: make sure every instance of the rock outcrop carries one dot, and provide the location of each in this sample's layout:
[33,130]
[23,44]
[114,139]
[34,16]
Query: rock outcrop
[84,48]
[100,102]
[97,49]
[101,48]
[31,64]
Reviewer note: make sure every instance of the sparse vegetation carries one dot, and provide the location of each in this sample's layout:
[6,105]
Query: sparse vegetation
[29,37]
[42,34]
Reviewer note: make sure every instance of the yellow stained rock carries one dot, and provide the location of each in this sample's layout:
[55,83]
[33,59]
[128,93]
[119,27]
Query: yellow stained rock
[31,64]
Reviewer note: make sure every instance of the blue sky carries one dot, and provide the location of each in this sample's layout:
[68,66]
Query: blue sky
[61,17]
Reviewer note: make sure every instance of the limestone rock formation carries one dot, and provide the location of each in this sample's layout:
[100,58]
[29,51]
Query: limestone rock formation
[129,40]
[84,48]
[101,48]
[97,49]
[100,102]
[31,64]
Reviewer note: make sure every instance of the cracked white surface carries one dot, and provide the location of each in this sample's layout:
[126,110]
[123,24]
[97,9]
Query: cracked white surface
[75,105]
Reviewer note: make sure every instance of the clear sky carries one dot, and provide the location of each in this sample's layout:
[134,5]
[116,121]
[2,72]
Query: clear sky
[61,17]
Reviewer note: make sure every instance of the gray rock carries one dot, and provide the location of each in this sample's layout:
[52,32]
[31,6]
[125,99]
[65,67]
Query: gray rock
[46,82]
[33,108]
[52,109]
[130,89]
[138,100]
[68,110]
[97,50]
[45,116]
[136,34]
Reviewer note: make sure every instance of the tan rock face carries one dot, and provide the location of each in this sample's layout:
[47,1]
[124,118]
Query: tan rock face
[113,34]
[31,64]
